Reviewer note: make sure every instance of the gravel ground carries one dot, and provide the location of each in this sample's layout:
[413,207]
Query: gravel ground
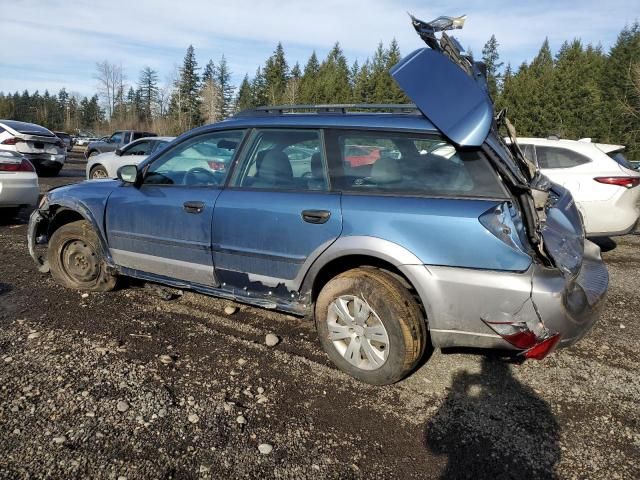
[129,384]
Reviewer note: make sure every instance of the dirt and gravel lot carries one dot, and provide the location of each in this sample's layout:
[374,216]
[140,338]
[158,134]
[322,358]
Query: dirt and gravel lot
[128,384]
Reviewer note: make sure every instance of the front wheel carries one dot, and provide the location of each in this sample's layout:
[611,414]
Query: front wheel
[75,258]
[370,326]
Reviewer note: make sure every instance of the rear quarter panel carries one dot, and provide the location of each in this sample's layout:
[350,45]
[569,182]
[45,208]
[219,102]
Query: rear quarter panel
[438,231]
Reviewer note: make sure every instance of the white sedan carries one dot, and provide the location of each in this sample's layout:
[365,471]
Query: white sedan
[603,184]
[18,184]
[106,165]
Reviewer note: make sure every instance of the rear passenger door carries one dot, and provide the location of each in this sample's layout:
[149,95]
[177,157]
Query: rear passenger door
[277,213]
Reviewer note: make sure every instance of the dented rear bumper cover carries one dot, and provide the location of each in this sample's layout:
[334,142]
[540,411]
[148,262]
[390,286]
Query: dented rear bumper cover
[541,301]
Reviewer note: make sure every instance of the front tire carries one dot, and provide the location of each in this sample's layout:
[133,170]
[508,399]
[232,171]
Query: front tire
[370,326]
[75,258]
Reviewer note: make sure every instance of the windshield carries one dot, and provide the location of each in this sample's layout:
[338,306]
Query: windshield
[621,159]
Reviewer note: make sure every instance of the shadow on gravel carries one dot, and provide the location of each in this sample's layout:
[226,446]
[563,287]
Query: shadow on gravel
[492,426]
[606,244]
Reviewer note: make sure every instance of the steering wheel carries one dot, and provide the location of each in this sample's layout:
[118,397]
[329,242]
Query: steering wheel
[194,176]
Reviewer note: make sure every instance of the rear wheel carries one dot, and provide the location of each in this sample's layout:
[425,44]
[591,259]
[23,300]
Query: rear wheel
[98,172]
[370,326]
[75,258]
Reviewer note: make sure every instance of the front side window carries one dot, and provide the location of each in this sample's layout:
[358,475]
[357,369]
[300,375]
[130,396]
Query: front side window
[204,160]
[407,164]
[140,148]
[283,160]
[117,137]
[554,157]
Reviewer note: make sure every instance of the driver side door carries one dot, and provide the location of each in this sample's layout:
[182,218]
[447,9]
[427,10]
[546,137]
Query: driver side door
[163,226]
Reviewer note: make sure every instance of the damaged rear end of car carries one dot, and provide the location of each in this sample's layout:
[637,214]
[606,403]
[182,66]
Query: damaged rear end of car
[557,299]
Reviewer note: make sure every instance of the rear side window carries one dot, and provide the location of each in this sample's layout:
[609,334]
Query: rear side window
[554,157]
[385,162]
[620,159]
[283,160]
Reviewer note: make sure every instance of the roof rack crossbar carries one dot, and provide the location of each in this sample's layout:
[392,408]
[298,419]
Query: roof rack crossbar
[341,108]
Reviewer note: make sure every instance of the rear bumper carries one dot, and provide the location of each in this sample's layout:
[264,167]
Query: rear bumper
[572,307]
[45,160]
[459,301]
[15,192]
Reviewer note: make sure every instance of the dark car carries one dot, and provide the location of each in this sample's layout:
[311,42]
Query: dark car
[67,139]
[116,140]
[466,246]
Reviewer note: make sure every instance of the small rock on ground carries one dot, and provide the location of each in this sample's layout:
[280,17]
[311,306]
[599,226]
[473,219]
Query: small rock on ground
[265,448]
[230,309]
[271,340]
[122,406]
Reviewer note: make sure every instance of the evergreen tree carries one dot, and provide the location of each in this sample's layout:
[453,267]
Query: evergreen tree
[185,101]
[244,100]
[617,90]
[223,80]
[309,81]
[333,78]
[259,89]
[148,87]
[276,73]
[491,57]
[209,72]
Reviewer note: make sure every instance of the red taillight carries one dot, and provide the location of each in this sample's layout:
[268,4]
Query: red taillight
[627,182]
[24,166]
[12,141]
[544,348]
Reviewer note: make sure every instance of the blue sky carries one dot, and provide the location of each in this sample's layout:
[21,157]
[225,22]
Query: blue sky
[56,43]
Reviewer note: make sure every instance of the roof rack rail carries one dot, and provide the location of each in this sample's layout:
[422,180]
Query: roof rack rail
[341,108]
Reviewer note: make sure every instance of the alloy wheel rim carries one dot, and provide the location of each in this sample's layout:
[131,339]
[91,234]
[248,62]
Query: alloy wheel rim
[357,333]
[98,173]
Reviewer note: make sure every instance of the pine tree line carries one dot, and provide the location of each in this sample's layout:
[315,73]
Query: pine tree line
[579,92]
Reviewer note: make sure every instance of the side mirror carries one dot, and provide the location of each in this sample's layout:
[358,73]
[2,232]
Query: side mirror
[128,173]
[118,152]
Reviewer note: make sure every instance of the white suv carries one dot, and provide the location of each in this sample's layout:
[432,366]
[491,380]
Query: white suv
[603,184]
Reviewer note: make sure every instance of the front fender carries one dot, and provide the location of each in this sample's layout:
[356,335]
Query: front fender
[52,215]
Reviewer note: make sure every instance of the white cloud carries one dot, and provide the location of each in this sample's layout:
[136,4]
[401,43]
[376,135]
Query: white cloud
[64,39]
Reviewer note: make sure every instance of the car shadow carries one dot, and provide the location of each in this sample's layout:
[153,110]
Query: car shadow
[606,244]
[492,426]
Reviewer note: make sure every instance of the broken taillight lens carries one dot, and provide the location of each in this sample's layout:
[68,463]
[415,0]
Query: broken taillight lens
[627,182]
[517,334]
[544,348]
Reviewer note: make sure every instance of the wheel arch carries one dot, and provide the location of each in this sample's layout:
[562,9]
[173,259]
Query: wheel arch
[61,213]
[348,253]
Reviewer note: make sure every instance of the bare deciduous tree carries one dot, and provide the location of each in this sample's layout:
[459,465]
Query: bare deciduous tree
[211,101]
[110,82]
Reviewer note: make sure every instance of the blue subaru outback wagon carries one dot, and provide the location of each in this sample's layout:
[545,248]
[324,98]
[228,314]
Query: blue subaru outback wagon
[397,228]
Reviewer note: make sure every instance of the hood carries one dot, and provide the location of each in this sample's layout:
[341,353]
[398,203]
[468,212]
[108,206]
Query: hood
[453,101]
